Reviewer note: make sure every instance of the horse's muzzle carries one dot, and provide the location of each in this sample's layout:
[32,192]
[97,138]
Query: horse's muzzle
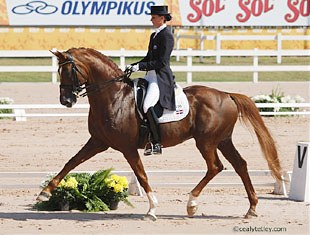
[67,98]
[68,102]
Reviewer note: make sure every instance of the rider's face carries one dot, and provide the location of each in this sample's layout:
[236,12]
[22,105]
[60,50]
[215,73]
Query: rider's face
[157,20]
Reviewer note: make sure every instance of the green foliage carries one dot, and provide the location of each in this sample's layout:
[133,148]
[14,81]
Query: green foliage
[87,192]
[5,100]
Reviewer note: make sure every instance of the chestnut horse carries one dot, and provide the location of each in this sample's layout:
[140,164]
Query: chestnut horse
[114,122]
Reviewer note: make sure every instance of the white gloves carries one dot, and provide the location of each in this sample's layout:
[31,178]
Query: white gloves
[133,68]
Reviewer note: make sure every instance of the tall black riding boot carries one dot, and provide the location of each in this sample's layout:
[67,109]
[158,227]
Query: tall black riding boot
[155,133]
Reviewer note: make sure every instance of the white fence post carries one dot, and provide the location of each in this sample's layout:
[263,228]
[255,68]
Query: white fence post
[134,187]
[201,46]
[218,48]
[54,64]
[122,59]
[279,48]
[255,65]
[20,115]
[189,66]
[178,45]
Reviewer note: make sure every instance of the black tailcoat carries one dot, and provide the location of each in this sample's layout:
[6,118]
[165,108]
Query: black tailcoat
[158,59]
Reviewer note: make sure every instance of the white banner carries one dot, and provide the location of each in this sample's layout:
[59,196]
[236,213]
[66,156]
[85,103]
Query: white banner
[245,12]
[134,12]
[79,13]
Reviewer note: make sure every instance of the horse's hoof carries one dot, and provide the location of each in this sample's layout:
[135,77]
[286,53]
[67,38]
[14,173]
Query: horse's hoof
[191,210]
[44,196]
[250,214]
[150,216]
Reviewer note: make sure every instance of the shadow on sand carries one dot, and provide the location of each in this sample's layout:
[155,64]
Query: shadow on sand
[89,216]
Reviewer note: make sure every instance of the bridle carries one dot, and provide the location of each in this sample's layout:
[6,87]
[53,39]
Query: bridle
[76,85]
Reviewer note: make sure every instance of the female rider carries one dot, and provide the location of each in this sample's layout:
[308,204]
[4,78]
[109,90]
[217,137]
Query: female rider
[159,74]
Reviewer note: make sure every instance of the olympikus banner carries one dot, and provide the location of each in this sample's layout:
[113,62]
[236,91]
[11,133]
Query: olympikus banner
[135,12]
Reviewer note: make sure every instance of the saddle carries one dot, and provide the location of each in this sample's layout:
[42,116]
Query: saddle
[140,88]
[164,115]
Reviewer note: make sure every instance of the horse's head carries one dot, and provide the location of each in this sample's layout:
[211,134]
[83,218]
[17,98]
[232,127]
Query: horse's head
[73,77]
[85,68]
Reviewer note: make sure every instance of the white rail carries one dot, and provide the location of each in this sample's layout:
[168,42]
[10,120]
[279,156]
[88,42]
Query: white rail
[20,114]
[160,178]
[218,38]
[189,68]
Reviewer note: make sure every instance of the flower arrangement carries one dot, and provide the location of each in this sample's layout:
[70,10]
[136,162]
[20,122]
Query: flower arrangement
[6,100]
[277,97]
[101,191]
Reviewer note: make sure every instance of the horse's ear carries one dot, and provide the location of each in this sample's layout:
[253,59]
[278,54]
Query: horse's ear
[59,54]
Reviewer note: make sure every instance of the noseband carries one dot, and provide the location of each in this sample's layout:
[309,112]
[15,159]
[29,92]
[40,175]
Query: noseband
[77,87]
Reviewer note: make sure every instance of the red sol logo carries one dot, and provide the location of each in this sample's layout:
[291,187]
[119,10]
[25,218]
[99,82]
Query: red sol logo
[298,7]
[253,8]
[207,8]
[249,8]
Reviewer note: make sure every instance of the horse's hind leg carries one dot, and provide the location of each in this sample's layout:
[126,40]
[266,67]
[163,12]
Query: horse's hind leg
[214,167]
[232,155]
[90,149]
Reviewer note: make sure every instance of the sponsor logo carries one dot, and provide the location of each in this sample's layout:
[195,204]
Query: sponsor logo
[70,7]
[38,7]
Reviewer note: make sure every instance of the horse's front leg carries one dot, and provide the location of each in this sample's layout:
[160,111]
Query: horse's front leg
[136,164]
[90,149]
[153,205]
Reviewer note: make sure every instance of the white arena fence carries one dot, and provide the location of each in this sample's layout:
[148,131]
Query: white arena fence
[81,110]
[218,38]
[189,68]
[159,178]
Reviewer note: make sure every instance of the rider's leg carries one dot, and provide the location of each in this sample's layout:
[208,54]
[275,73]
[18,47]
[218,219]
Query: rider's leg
[151,98]
[155,131]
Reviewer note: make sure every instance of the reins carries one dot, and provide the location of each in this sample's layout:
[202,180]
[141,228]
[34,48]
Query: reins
[77,87]
[90,89]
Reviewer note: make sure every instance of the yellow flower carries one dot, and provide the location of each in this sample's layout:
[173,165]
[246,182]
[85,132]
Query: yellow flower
[62,183]
[118,188]
[123,181]
[107,180]
[71,183]
[115,178]
[111,184]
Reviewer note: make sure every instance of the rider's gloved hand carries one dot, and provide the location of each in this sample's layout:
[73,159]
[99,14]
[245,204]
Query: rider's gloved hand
[133,67]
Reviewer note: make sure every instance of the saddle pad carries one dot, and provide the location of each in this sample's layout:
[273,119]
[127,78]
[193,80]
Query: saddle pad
[182,107]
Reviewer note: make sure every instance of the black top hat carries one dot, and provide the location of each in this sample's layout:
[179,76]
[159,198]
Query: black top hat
[159,10]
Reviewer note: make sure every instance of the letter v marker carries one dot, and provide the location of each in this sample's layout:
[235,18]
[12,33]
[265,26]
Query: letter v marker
[301,160]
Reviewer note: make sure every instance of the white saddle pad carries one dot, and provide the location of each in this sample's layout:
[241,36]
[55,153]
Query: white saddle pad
[182,107]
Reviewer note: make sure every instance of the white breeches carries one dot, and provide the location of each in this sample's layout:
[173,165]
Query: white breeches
[152,93]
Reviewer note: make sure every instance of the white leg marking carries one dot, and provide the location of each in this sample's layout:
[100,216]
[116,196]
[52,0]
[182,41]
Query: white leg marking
[153,204]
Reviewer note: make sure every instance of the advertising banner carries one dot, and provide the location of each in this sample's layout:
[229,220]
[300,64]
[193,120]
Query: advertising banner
[136,12]
[245,12]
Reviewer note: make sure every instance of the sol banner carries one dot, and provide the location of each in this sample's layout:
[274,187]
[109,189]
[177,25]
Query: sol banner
[135,12]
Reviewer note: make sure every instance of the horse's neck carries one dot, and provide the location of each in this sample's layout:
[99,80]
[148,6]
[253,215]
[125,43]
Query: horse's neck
[110,94]
[112,98]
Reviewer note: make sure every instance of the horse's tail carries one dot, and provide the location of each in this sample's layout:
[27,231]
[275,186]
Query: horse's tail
[250,115]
